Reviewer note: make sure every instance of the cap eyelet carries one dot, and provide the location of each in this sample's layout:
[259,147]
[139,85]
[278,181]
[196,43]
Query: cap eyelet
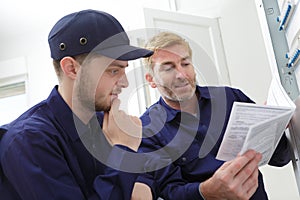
[83,41]
[62,46]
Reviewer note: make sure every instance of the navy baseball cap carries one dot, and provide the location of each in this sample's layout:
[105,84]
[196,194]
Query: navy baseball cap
[92,31]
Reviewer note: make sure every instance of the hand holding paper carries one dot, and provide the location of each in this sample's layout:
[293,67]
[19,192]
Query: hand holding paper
[252,126]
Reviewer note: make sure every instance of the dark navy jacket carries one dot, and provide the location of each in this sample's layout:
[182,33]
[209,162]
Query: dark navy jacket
[43,157]
[192,142]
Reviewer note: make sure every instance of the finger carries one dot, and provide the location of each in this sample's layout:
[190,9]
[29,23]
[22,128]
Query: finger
[231,168]
[247,171]
[242,160]
[249,153]
[225,165]
[136,120]
[115,106]
[252,183]
[105,126]
[137,123]
[141,191]
[114,112]
[105,121]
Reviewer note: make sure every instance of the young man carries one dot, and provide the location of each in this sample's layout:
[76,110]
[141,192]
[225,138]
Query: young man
[187,125]
[74,144]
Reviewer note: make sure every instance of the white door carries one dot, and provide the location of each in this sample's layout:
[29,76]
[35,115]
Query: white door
[203,34]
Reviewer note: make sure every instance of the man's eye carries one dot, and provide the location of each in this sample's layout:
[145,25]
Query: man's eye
[186,64]
[167,68]
[114,71]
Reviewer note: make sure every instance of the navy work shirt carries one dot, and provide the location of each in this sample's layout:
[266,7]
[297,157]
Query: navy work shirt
[192,143]
[43,157]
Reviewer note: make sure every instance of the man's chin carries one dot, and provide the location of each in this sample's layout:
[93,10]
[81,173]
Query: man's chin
[182,98]
[103,108]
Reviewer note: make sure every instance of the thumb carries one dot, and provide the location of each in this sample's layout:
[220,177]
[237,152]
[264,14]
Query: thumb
[115,106]
[105,120]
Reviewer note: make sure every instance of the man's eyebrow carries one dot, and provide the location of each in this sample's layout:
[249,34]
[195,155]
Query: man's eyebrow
[186,58]
[171,62]
[166,63]
[113,64]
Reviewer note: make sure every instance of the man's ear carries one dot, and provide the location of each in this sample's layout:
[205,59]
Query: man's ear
[70,67]
[149,78]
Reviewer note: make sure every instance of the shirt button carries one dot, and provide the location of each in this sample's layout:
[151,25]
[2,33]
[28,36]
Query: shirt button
[183,159]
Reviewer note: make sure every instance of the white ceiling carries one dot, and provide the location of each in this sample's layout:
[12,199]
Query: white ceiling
[27,21]
[20,17]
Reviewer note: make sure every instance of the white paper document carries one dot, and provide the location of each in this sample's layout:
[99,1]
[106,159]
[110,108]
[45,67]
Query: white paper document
[252,126]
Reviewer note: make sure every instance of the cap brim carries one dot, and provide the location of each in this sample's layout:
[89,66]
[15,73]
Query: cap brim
[124,52]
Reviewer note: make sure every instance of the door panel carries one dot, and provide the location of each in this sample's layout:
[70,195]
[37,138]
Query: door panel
[205,38]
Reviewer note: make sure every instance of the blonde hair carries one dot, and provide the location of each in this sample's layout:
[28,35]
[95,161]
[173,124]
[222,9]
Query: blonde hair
[163,40]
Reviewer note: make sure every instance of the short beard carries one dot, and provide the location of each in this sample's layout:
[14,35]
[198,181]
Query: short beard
[99,108]
[170,95]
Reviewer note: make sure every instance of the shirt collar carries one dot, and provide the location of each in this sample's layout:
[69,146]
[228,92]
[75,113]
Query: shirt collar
[71,124]
[204,92]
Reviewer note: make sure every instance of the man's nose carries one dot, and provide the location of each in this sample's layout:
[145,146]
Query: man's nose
[180,73]
[123,81]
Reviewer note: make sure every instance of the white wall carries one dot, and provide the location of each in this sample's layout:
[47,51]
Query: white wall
[245,50]
[34,51]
